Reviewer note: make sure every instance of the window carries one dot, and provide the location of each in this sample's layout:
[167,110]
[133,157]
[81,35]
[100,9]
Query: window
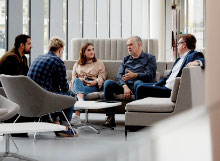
[46,25]
[2,27]
[26,17]
[195,22]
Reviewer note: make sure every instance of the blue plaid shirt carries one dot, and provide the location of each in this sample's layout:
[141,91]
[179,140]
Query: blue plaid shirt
[50,73]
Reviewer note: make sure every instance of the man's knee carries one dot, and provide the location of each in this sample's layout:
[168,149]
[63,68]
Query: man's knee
[108,83]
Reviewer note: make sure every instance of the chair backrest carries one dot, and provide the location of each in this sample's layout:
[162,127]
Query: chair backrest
[111,49]
[34,101]
[8,109]
[191,93]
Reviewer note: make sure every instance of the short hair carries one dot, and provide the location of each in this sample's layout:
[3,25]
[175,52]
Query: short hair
[22,38]
[136,38]
[56,43]
[190,40]
[82,58]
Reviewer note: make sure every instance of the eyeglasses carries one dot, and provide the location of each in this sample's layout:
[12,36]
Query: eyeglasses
[180,43]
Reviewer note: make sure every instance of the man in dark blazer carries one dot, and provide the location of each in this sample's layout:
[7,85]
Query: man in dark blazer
[188,57]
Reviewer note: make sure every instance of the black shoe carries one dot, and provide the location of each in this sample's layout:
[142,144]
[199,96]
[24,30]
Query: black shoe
[110,121]
[23,135]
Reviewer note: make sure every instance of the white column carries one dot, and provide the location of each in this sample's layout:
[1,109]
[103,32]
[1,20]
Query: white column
[74,24]
[115,18]
[15,20]
[212,71]
[56,19]
[126,18]
[37,28]
[102,19]
[157,25]
[89,19]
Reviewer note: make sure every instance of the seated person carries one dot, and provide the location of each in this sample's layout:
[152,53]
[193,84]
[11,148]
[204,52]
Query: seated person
[136,68]
[49,72]
[88,76]
[188,57]
[14,62]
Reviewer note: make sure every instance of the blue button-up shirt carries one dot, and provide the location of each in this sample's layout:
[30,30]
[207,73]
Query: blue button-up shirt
[50,73]
[145,66]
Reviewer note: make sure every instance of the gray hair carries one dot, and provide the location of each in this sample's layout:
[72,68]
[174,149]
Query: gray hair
[136,38]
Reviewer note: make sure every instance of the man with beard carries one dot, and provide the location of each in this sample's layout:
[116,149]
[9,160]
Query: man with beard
[14,62]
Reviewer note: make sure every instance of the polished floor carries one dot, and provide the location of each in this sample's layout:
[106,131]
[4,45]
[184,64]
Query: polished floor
[51,148]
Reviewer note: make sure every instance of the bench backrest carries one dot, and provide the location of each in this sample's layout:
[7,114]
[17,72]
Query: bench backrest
[111,49]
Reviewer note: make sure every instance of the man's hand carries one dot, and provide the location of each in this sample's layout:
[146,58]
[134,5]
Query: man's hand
[129,75]
[193,63]
[91,83]
[127,92]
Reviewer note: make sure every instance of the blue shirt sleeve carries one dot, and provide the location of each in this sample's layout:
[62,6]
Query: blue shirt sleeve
[149,73]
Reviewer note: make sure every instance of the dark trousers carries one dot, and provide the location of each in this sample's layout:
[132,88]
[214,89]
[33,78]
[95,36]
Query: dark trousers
[111,88]
[148,90]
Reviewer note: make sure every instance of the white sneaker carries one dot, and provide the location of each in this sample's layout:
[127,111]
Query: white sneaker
[75,121]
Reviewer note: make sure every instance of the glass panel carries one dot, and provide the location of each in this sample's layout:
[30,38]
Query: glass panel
[26,17]
[196,22]
[46,25]
[2,27]
[65,29]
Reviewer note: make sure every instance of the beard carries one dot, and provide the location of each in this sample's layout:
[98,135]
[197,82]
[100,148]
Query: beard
[27,51]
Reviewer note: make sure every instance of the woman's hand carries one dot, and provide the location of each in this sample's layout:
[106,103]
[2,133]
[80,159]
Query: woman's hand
[83,80]
[91,83]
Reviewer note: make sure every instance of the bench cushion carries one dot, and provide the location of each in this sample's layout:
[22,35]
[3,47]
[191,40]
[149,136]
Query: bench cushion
[151,104]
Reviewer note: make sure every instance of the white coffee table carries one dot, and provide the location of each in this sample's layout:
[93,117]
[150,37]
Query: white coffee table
[87,105]
[11,128]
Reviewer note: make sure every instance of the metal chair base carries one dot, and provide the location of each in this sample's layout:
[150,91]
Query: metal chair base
[86,123]
[7,153]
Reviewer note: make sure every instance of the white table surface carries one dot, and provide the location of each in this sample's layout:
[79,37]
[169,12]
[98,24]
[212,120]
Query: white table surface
[10,128]
[94,105]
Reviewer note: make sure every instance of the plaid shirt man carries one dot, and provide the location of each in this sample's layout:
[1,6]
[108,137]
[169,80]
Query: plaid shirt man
[50,73]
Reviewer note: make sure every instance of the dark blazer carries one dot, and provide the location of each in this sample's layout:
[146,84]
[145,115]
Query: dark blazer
[191,56]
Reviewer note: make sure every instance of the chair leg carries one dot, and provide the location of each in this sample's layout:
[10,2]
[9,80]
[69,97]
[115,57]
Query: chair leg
[17,119]
[7,153]
[126,132]
[35,134]
[74,132]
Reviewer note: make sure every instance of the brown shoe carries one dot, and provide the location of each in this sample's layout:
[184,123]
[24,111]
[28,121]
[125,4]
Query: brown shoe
[110,121]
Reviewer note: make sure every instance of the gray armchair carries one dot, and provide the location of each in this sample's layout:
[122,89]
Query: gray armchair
[33,100]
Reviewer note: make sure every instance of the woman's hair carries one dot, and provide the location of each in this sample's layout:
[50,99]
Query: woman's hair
[56,43]
[190,40]
[82,58]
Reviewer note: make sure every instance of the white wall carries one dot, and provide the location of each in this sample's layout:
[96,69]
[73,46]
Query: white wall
[15,20]
[157,25]
[37,28]
[212,71]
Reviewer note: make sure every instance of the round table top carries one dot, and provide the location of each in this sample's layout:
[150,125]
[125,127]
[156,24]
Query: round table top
[10,128]
[94,105]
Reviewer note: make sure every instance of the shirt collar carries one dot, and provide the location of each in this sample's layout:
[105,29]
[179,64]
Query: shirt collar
[183,56]
[52,53]
[141,56]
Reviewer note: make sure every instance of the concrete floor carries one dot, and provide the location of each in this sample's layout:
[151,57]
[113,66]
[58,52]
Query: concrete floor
[51,148]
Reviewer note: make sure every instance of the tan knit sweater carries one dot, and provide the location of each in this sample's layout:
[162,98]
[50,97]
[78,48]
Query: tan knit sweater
[93,70]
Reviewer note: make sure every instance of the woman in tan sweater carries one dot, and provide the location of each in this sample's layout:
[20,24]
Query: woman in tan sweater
[88,76]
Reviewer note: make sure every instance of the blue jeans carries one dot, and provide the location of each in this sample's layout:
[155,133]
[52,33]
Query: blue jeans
[80,87]
[111,87]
